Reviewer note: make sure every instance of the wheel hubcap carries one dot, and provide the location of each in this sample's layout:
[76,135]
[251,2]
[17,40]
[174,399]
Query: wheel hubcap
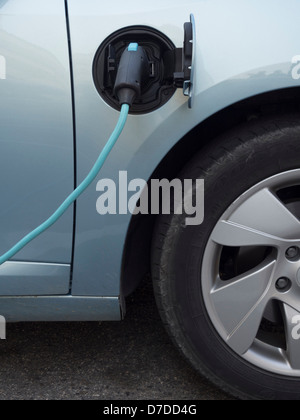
[251,275]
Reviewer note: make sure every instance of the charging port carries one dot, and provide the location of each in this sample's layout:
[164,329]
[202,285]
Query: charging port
[167,67]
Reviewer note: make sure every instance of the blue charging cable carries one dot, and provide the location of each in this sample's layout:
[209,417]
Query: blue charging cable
[77,192]
[132,72]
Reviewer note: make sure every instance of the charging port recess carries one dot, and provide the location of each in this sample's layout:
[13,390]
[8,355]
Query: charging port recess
[169,67]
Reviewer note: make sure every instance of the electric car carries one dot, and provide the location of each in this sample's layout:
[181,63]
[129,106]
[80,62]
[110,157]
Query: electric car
[218,102]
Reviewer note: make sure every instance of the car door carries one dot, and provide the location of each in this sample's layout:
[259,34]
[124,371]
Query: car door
[36,145]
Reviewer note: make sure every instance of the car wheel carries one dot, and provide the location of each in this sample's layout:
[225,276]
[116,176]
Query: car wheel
[229,289]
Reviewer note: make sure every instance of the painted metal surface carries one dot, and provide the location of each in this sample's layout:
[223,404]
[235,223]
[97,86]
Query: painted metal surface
[62,308]
[34,279]
[36,136]
[244,48]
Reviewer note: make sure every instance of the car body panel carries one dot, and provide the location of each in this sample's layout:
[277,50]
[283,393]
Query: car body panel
[235,59]
[59,308]
[36,279]
[36,140]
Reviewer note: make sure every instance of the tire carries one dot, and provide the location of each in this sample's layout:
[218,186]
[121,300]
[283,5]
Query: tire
[205,277]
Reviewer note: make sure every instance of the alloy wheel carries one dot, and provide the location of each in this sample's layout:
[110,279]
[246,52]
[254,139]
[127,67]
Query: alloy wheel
[251,275]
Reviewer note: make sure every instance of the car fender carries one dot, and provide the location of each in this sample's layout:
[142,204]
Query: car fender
[243,48]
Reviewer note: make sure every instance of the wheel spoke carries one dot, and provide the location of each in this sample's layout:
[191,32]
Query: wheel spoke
[240,305]
[292,329]
[227,233]
[261,220]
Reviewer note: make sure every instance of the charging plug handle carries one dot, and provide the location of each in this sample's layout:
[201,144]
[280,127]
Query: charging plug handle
[133,73]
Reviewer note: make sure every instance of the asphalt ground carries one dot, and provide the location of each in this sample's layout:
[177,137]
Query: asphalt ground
[129,360]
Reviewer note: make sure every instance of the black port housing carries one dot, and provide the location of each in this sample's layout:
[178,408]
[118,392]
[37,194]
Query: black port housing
[163,57]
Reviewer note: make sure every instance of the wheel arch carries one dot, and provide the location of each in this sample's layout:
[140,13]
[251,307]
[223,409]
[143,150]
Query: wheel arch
[136,259]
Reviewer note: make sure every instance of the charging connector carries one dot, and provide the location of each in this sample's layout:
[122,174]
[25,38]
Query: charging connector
[133,74]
